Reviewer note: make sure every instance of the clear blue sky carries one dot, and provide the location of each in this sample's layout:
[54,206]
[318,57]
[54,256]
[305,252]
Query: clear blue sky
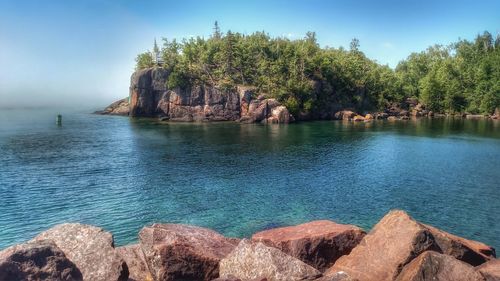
[62,52]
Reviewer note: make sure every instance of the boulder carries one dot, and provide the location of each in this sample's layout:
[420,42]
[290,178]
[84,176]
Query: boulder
[368,117]
[317,243]
[490,270]
[383,252]
[396,240]
[250,260]
[136,263]
[381,115]
[183,252]
[432,266]
[469,251]
[358,118]
[90,248]
[40,260]
[339,276]
[232,278]
[392,118]
[344,115]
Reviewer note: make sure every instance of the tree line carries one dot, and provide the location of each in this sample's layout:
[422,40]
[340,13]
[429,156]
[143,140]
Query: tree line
[461,77]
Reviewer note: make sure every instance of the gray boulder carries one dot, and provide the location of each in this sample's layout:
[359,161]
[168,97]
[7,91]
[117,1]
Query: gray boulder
[41,260]
[250,260]
[90,248]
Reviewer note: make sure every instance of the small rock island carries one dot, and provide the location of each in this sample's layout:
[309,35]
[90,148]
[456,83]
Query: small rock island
[398,248]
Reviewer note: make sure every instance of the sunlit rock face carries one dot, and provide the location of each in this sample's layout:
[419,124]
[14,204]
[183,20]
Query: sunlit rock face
[150,97]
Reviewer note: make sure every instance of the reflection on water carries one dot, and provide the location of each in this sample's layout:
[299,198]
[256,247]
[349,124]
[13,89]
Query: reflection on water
[238,178]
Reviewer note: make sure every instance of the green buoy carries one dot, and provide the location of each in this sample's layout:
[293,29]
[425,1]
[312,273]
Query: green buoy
[59,120]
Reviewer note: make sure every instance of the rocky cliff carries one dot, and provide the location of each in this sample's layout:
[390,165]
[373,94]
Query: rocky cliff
[150,97]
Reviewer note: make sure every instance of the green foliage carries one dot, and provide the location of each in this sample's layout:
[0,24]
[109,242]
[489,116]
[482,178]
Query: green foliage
[306,78]
[464,77]
[144,60]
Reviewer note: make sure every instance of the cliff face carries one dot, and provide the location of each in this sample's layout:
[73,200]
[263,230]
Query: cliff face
[150,97]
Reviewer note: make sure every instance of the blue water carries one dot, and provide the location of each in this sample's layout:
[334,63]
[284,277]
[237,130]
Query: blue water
[122,174]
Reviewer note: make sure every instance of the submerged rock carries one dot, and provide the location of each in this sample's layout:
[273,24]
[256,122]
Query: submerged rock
[251,260]
[317,243]
[40,260]
[90,248]
[433,266]
[183,252]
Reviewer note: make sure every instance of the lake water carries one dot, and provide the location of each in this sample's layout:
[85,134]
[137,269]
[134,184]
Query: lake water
[122,174]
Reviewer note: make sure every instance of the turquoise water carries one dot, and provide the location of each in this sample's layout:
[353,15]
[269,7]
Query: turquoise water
[122,174]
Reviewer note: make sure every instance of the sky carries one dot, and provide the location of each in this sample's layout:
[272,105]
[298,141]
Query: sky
[81,52]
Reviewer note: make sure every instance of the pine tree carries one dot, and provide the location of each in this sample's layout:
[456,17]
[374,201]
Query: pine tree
[217,33]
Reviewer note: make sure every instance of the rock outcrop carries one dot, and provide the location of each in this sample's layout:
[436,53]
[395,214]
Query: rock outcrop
[120,107]
[317,243]
[432,266]
[90,248]
[150,97]
[183,252]
[41,260]
[251,260]
[396,240]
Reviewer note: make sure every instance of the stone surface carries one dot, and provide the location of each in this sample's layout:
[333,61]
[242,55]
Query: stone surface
[317,243]
[136,263]
[369,117]
[490,270]
[344,115]
[90,248]
[183,252]
[41,260]
[433,266]
[250,260]
[339,276]
[469,251]
[358,118]
[396,240]
[386,249]
[120,107]
[150,97]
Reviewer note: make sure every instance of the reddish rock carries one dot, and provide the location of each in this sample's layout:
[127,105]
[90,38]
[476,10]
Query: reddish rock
[136,263]
[469,251]
[317,243]
[396,240]
[358,118]
[344,115]
[250,260]
[183,252]
[90,248]
[433,266]
[383,252]
[41,260]
[490,270]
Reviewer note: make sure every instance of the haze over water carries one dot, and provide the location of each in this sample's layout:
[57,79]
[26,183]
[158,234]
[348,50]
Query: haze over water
[122,174]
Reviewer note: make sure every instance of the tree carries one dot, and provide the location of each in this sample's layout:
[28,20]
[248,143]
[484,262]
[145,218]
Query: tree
[217,33]
[354,46]
[144,60]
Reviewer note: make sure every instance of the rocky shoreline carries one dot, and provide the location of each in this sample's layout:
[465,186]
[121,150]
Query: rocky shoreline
[149,96]
[397,248]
